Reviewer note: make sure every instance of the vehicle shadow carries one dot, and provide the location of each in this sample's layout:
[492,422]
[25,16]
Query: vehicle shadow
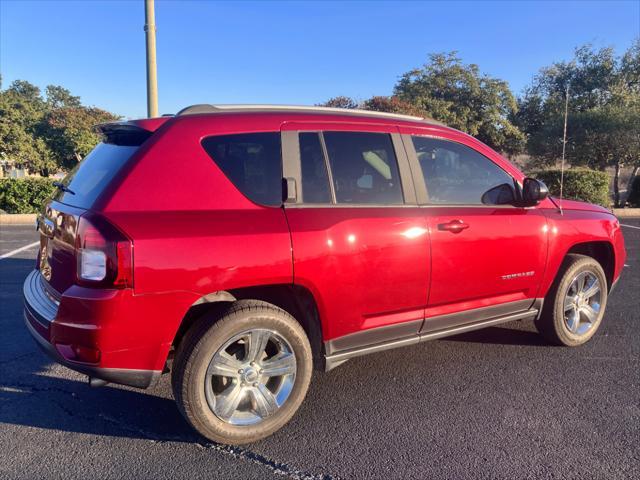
[32,396]
[501,336]
[35,392]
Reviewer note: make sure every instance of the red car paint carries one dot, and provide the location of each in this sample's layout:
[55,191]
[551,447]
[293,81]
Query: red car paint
[195,236]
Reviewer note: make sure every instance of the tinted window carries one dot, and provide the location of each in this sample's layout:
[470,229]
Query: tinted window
[252,161]
[364,168]
[91,176]
[456,174]
[315,181]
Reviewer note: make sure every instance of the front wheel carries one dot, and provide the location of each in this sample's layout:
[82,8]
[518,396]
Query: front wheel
[575,304]
[240,378]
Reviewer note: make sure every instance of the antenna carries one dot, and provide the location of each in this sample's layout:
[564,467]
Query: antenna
[564,143]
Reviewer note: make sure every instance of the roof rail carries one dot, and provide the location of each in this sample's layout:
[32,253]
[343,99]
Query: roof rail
[207,108]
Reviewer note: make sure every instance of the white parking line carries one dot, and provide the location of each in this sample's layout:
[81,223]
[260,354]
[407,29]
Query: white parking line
[18,250]
[630,226]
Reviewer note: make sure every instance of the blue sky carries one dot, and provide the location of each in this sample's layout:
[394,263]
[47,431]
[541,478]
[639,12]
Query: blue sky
[287,52]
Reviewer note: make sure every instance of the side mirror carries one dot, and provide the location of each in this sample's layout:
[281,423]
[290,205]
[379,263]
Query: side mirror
[503,194]
[533,192]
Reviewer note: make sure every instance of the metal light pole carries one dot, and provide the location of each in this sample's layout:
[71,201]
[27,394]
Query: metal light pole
[152,74]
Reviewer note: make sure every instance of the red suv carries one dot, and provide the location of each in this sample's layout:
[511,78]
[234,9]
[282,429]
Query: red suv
[240,246]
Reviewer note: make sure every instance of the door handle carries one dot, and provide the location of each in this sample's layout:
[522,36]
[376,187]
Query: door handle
[454,226]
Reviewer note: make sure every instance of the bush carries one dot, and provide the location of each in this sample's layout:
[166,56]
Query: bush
[24,195]
[634,194]
[579,184]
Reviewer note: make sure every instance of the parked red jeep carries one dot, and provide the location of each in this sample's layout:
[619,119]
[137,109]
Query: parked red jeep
[239,246]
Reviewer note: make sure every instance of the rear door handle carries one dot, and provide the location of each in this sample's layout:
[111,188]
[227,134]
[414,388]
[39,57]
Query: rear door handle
[454,226]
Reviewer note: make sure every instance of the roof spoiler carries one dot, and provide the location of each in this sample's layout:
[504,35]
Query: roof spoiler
[123,133]
[129,133]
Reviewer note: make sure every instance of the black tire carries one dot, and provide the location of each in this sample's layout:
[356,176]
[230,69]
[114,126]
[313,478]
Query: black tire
[551,323]
[209,335]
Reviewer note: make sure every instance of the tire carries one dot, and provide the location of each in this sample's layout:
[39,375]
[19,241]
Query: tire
[202,394]
[558,322]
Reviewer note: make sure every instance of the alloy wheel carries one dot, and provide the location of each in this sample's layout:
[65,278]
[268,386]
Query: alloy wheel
[582,303]
[250,377]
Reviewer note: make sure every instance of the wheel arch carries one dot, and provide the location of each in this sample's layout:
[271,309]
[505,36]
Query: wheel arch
[296,300]
[602,251]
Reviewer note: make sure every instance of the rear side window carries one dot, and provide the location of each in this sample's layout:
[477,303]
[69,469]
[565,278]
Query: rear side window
[456,174]
[364,168]
[92,175]
[252,161]
[315,180]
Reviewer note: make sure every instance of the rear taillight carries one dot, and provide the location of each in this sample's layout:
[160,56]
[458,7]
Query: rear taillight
[104,254]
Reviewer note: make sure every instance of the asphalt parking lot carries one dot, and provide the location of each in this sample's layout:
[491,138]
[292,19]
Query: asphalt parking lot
[496,403]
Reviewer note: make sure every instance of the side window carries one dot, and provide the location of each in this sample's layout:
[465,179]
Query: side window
[315,181]
[252,161]
[458,175]
[364,168]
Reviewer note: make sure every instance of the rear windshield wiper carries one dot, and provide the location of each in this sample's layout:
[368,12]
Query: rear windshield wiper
[63,187]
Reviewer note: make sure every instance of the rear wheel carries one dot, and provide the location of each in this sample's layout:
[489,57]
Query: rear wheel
[575,305]
[243,377]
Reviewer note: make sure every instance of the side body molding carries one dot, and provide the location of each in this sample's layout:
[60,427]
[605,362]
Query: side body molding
[340,350]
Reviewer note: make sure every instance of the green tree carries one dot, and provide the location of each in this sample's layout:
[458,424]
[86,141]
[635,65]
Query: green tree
[46,134]
[59,97]
[392,105]
[630,77]
[608,135]
[587,77]
[70,132]
[603,120]
[461,97]
[26,91]
[340,102]
[21,111]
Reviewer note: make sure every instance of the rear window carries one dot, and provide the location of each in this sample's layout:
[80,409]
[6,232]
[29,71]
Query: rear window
[91,176]
[252,161]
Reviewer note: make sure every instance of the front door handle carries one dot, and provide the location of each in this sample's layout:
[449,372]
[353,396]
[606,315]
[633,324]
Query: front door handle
[454,226]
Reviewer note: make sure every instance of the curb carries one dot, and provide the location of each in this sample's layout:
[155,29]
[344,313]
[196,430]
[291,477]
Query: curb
[18,219]
[626,212]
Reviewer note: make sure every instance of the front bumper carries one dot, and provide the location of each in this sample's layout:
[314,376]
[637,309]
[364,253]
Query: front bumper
[40,312]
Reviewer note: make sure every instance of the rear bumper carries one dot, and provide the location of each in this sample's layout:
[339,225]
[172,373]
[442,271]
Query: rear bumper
[133,378]
[41,311]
